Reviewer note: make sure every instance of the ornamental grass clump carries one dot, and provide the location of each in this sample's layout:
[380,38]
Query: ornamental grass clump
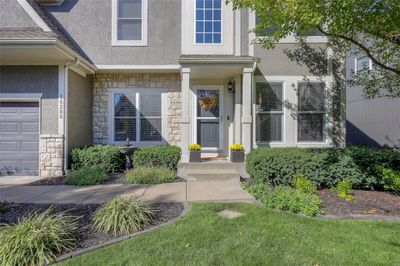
[343,188]
[150,175]
[37,239]
[303,184]
[123,215]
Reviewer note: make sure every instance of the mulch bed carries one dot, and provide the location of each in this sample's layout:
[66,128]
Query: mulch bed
[114,178]
[85,236]
[365,202]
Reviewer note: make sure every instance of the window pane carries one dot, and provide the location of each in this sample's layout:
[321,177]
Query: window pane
[208,38]
[150,129]
[200,14]
[362,64]
[199,3]
[125,128]
[268,127]
[200,26]
[208,3]
[217,3]
[311,127]
[124,105]
[208,14]
[217,14]
[208,20]
[130,9]
[217,27]
[150,104]
[269,96]
[199,37]
[217,38]
[208,27]
[311,97]
[129,30]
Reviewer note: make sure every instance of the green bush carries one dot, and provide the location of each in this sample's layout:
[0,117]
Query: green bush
[389,178]
[325,167]
[86,176]
[106,156]
[122,215]
[150,175]
[154,156]
[304,185]
[343,188]
[37,239]
[2,207]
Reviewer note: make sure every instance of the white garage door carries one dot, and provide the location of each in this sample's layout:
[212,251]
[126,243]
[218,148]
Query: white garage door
[19,138]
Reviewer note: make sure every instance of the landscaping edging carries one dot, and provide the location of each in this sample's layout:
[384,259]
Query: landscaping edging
[122,238]
[360,217]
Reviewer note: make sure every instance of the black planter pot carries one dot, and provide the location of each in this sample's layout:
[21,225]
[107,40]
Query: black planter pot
[237,156]
[195,156]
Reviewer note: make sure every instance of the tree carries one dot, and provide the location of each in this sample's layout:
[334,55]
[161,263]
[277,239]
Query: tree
[370,27]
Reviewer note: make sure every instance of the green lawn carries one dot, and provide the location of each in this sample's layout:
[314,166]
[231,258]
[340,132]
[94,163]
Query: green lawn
[260,237]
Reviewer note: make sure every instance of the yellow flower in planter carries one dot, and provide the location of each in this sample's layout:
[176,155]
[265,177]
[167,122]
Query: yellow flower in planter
[237,147]
[194,147]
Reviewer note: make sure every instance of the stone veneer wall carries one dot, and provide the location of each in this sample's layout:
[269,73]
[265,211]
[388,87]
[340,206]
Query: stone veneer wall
[104,82]
[51,155]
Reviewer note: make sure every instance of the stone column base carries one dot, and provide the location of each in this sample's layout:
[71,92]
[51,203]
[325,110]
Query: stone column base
[51,155]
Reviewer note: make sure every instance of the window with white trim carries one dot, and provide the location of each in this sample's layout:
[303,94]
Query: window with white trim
[362,64]
[269,112]
[208,22]
[311,112]
[137,115]
[129,22]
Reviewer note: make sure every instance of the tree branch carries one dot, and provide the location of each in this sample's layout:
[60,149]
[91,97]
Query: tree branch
[362,47]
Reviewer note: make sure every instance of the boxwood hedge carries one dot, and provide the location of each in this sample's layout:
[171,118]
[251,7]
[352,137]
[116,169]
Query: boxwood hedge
[154,156]
[325,166]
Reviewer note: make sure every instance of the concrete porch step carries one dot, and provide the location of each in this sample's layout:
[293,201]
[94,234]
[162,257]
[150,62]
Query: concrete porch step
[211,170]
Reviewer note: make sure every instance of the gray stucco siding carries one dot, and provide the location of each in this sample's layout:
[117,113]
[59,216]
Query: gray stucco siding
[35,79]
[80,101]
[13,15]
[89,24]
[288,59]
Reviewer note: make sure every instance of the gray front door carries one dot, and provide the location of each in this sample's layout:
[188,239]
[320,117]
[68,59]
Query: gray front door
[208,129]
[19,138]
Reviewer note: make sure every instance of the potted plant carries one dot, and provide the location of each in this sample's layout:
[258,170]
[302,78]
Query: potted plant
[237,153]
[195,153]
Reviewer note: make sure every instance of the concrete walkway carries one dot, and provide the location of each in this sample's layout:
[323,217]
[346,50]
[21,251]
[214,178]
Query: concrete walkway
[229,190]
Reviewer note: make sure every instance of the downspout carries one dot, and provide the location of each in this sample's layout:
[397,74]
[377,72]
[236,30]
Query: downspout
[66,69]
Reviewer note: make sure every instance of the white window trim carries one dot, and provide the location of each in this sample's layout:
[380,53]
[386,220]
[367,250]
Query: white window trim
[356,61]
[326,113]
[283,112]
[194,27]
[164,117]
[290,90]
[114,26]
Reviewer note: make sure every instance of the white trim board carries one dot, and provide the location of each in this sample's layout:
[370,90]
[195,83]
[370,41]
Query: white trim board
[138,67]
[34,16]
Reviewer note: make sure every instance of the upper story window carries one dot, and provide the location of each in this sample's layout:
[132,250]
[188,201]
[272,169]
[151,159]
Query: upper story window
[129,22]
[208,22]
[362,64]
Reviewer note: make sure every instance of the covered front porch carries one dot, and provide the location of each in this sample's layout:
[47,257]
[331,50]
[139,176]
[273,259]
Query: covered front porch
[216,104]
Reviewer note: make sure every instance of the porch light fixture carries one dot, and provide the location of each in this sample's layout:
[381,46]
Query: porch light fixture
[231,87]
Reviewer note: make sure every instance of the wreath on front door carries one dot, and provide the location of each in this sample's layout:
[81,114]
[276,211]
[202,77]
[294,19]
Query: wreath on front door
[208,102]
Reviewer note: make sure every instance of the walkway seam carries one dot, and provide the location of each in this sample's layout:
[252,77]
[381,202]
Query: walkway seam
[88,196]
[41,194]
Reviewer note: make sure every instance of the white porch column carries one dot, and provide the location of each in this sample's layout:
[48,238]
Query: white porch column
[246,109]
[238,111]
[185,118]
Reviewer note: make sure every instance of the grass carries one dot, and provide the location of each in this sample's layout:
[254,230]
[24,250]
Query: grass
[261,237]
[150,175]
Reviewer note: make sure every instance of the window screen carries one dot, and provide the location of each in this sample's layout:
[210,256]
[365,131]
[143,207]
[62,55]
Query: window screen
[269,112]
[129,20]
[311,112]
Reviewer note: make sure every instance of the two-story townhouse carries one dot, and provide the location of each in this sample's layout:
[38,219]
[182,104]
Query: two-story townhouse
[80,72]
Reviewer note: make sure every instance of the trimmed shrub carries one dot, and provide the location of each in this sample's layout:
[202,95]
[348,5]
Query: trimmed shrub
[389,178]
[154,156]
[286,198]
[150,175]
[2,207]
[106,156]
[304,185]
[324,167]
[122,215]
[37,239]
[86,176]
